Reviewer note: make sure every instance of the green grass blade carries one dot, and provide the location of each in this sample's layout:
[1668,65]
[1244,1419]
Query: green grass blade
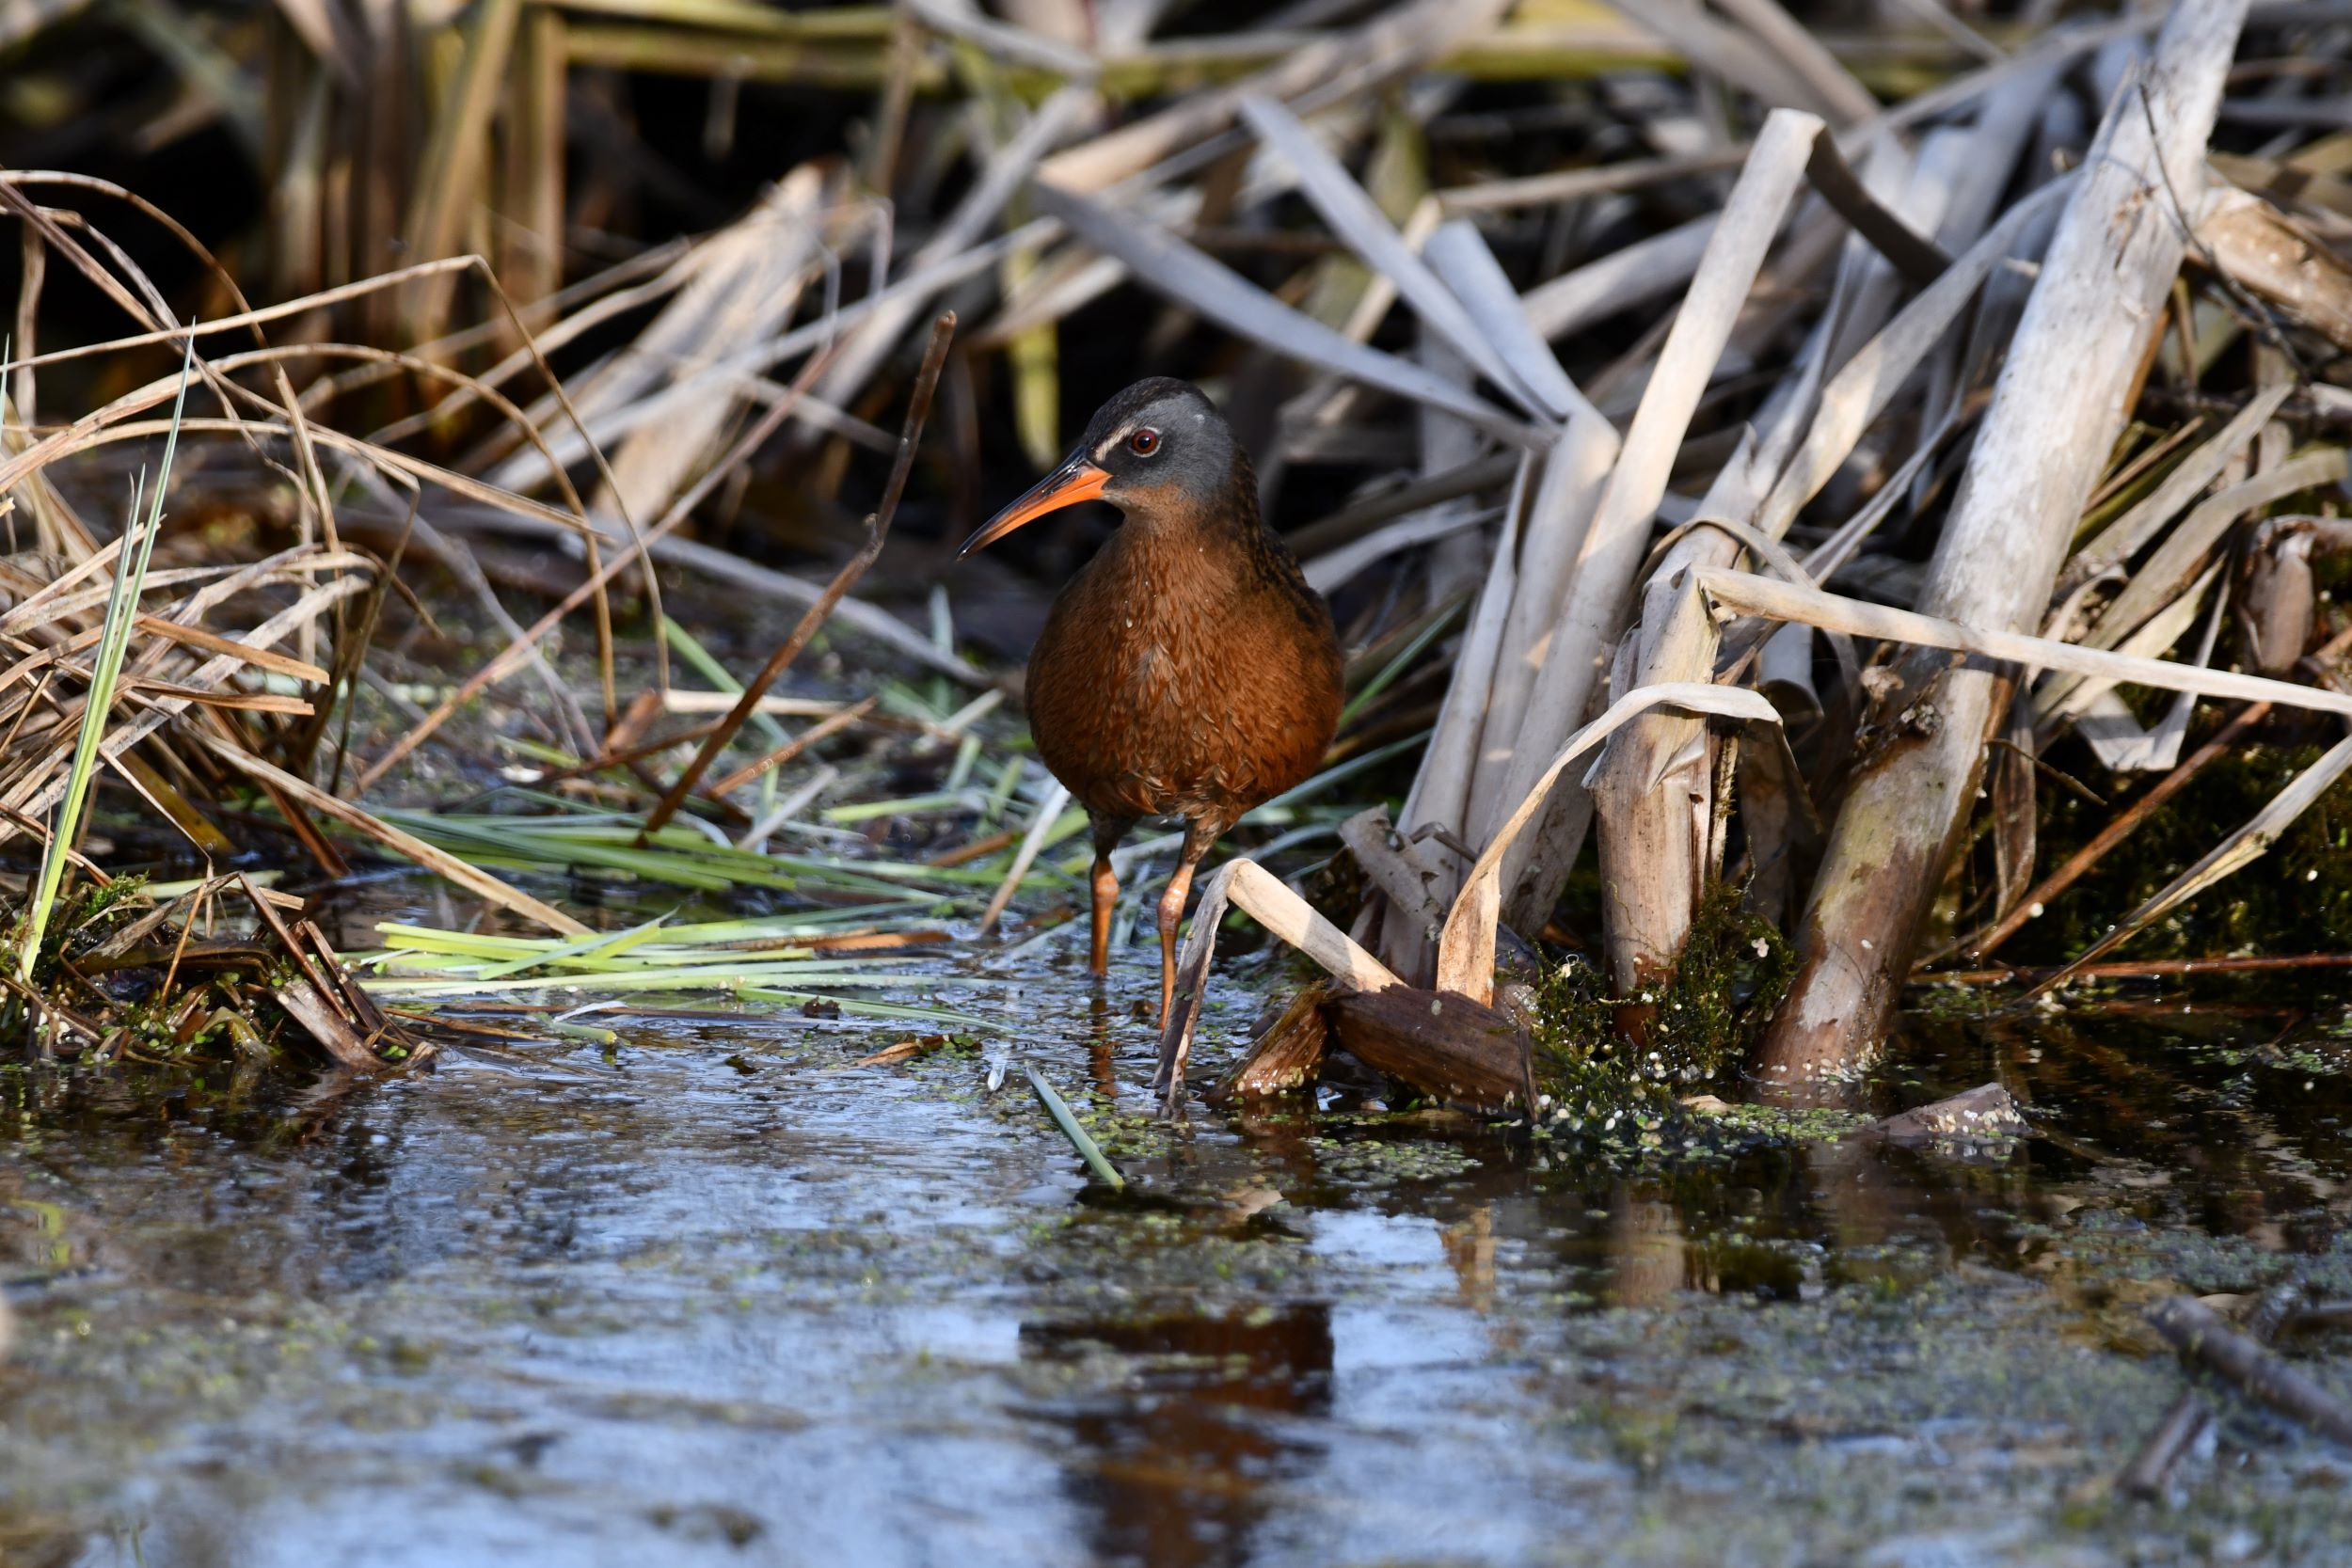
[605,944]
[1400,662]
[138,549]
[1088,1150]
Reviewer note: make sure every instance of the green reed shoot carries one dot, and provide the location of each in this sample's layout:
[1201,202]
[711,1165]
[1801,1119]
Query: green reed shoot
[122,603]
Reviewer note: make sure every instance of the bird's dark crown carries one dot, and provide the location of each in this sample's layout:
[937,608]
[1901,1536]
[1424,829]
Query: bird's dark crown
[1162,443]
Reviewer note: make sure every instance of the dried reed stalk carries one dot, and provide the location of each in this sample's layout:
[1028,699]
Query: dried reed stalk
[1654,786]
[877,534]
[2058,407]
[1593,608]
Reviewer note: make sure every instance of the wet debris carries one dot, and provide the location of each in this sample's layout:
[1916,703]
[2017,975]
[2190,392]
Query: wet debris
[2261,1374]
[1986,1113]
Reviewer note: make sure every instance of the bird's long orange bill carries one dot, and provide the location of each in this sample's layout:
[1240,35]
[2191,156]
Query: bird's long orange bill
[1073,482]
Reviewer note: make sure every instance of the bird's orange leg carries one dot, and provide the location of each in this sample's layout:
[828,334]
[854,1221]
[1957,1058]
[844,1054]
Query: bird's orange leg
[1105,895]
[1197,837]
[1108,832]
[1171,916]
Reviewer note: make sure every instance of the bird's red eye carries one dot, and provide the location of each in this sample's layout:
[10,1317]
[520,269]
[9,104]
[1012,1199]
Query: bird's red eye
[1143,443]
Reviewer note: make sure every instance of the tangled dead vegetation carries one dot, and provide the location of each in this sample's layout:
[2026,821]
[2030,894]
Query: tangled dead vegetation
[1797,461]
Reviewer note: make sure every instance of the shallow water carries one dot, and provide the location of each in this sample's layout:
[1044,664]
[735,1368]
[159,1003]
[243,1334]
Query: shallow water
[715,1295]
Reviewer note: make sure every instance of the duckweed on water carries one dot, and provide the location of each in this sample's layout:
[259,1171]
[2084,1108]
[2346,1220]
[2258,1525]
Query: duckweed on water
[1376,1162]
[1781,1124]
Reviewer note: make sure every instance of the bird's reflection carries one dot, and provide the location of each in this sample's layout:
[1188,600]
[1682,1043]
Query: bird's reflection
[1101,1043]
[1172,1462]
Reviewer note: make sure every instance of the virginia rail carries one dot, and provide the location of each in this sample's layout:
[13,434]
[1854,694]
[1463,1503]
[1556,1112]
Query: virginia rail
[1187,670]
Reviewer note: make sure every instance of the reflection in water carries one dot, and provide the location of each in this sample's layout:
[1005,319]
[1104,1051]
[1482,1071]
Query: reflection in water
[1469,1247]
[1646,1253]
[1173,1461]
[714,1271]
[1102,1041]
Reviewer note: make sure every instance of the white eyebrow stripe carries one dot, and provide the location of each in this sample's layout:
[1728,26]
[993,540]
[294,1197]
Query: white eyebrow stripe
[1117,437]
[1104,447]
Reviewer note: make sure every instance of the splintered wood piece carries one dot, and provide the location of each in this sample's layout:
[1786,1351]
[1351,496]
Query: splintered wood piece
[1443,1043]
[1289,1055]
[309,1007]
[2250,241]
[1257,891]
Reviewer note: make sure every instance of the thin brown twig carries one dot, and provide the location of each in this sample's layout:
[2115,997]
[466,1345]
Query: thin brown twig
[2145,1476]
[877,532]
[2139,969]
[2200,1333]
[30,704]
[821,730]
[40,836]
[2073,786]
[201,899]
[980,849]
[2155,453]
[518,650]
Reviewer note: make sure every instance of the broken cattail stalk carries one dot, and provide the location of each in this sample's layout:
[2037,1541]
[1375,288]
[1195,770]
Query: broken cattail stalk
[2058,407]
[2272,256]
[1594,608]
[1440,793]
[1653,788]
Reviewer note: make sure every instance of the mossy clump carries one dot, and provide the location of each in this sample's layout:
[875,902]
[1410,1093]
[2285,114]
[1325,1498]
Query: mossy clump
[1733,970]
[81,921]
[1731,974]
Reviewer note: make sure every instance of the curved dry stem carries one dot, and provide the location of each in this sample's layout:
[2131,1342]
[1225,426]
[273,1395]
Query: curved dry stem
[146,209]
[518,650]
[51,225]
[308,303]
[392,359]
[417,467]
[1466,950]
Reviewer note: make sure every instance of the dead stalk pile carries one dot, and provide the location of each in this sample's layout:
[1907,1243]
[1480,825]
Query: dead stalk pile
[1761,498]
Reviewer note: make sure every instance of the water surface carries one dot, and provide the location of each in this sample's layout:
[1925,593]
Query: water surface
[713,1295]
